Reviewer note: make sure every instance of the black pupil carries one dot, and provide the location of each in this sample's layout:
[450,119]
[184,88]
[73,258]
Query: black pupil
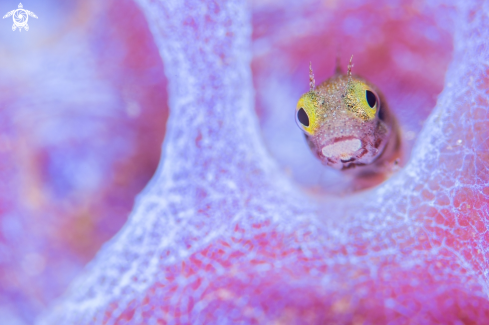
[302,117]
[371,99]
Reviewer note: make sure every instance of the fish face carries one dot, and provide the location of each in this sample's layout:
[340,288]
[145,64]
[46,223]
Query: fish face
[346,122]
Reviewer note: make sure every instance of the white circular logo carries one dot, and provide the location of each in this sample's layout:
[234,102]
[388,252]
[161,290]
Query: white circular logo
[20,18]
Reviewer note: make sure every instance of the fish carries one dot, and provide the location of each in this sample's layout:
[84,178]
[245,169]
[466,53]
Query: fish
[348,125]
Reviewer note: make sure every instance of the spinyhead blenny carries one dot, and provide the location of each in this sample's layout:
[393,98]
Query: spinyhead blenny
[348,124]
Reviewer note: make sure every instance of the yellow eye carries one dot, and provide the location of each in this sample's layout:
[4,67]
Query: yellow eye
[305,113]
[362,100]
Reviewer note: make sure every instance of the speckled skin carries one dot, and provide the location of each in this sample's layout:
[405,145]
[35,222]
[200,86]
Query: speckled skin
[338,114]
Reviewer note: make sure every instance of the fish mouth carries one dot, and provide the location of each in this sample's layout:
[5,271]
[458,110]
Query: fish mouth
[345,149]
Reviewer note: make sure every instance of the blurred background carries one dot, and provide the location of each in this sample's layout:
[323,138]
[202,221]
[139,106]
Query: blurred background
[83,107]
[82,117]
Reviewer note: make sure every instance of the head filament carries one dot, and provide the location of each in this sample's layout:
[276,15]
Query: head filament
[312,82]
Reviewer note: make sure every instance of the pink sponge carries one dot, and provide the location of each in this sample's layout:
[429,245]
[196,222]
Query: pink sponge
[222,235]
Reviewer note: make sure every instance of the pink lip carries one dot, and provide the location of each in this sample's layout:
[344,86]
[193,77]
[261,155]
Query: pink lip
[339,139]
